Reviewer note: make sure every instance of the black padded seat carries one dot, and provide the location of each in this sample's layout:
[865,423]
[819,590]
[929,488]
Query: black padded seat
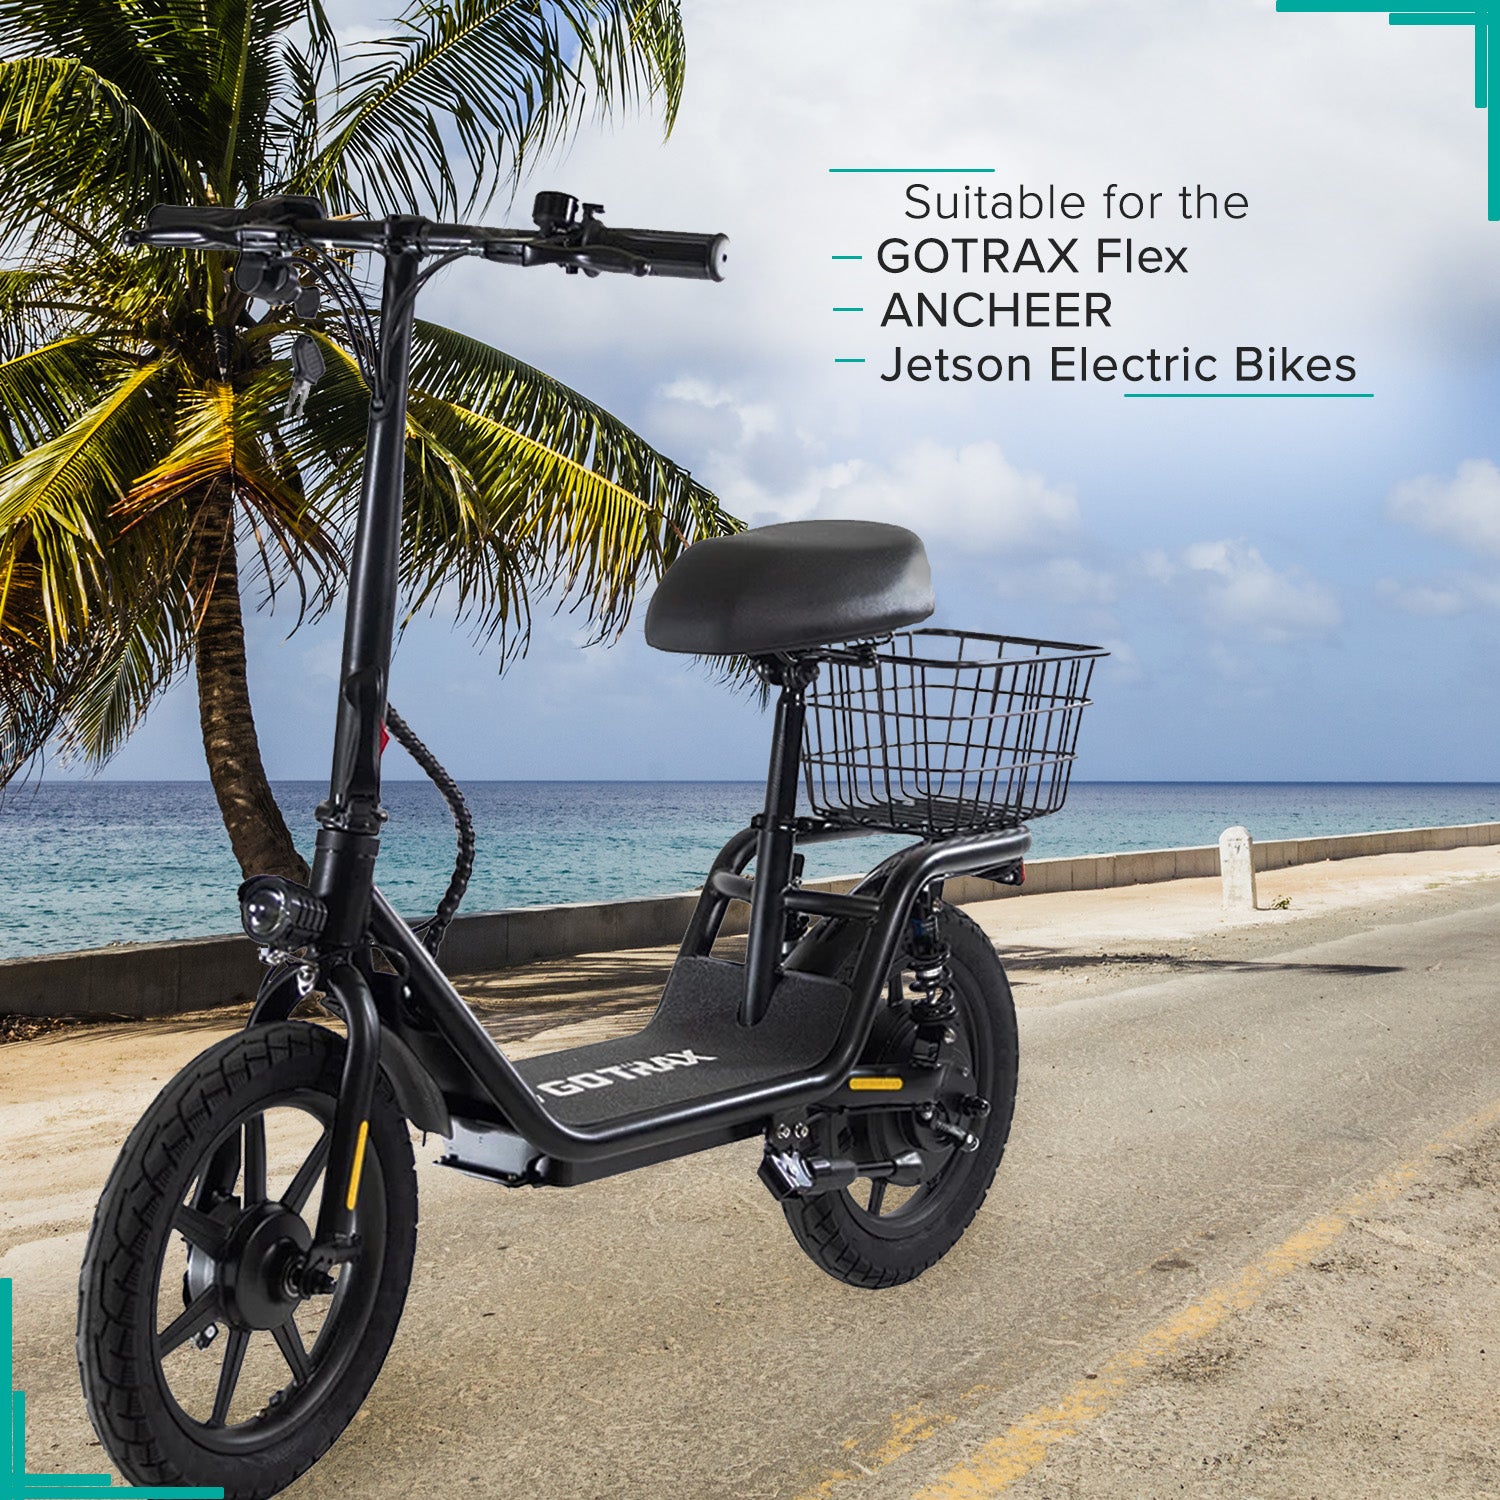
[780,588]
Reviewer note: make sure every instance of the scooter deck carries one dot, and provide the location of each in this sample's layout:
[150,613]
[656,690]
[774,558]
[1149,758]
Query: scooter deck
[693,1046]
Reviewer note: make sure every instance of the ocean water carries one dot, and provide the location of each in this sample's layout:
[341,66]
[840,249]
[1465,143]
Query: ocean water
[85,864]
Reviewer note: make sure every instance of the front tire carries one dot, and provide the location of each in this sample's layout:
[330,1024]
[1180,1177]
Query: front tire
[871,1235]
[200,1366]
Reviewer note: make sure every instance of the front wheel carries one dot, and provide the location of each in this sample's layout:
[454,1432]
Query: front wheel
[201,1362]
[875,1234]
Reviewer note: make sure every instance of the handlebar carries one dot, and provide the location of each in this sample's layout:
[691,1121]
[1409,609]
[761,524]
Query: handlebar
[278,226]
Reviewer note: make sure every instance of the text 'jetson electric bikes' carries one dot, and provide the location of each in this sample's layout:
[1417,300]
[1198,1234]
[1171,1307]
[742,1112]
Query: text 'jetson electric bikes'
[250,1256]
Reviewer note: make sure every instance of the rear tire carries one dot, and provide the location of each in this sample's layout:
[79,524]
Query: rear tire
[199,1365]
[896,1243]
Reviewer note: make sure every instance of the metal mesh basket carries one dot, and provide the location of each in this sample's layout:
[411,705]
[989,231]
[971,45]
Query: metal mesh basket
[945,732]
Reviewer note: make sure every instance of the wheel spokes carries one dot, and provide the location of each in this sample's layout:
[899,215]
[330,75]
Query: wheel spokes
[307,1174]
[255,1160]
[199,1313]
[289,1340]
[223,1169]
[229,1374]
[200,1230]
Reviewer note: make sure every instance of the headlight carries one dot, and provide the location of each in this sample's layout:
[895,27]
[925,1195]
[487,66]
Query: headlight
[280,913]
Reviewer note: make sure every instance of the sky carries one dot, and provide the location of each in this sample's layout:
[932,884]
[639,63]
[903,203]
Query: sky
[1290,589]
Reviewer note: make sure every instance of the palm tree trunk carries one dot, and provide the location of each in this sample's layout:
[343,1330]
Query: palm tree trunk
[257,831]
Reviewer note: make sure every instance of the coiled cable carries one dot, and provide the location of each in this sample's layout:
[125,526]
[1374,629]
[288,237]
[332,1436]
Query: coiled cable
[433,929]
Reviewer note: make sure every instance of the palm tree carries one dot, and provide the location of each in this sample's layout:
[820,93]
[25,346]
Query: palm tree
[144,459]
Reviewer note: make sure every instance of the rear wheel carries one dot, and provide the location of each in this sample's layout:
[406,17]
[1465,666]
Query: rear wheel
[202,1362]
[875,1233]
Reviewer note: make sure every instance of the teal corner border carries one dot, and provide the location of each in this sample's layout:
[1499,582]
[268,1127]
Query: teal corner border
[16,1483]
[1434,13]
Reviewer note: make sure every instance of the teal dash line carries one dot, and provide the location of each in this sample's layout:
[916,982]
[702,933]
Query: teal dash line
[17,1482]
[923,171]
[859,361]
[848,257]
[1438,13]
[1249,395]
[848,309]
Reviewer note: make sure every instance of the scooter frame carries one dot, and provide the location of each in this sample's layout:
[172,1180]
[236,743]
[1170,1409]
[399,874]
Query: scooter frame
[401,1012]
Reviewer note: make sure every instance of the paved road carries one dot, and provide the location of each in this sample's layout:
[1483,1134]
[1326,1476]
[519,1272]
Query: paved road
[661,1338]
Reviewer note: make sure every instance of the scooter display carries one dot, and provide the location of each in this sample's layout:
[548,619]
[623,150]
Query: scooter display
[250,1255]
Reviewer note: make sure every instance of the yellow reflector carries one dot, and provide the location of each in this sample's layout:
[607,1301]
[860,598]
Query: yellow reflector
[359,1164]
[874,1085]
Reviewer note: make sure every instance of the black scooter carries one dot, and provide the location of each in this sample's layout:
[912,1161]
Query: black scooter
[250,1256]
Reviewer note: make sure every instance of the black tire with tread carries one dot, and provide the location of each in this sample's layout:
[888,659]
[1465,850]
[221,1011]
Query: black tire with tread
[128,1242]
[834,1231]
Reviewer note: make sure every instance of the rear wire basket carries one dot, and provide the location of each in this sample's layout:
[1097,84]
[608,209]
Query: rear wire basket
[944,732]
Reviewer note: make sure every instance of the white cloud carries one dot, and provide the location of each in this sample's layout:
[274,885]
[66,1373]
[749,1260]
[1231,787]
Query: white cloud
[1063,580]
[1124,665]
[1423,598]
[1157,566]
[970,494]
[755,418]
[1240,594]
[1464,509]
[1452,595]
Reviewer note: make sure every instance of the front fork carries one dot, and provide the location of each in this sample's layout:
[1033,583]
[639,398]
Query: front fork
[348,991]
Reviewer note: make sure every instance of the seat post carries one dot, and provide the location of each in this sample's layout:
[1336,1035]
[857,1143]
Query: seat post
[777,835]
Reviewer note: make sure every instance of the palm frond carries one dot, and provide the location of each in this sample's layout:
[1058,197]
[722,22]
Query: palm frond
[515,485]
[89,693]
[151,54]
[494,78]
[30,310]
[56,498]
[544,482]
[250,76]
[124,673]
[634,50]
[45,389]
[72,142]
[225,439]
[34,680]
[34,690]
[293,122]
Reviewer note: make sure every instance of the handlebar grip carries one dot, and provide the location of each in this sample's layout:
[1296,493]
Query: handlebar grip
[192,226]
[695,257]
[170,224]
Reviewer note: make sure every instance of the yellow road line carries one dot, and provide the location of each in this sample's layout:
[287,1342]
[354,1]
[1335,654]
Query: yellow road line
[1025,1445]
[907,1430]
[1014,1454]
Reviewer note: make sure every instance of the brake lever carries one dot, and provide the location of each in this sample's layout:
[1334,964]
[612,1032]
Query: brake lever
[590,257]
[592,260]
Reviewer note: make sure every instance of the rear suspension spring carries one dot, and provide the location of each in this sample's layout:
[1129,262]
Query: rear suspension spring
[931,978]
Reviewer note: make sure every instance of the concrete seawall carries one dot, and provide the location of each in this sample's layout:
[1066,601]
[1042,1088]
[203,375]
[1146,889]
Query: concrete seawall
[162,979]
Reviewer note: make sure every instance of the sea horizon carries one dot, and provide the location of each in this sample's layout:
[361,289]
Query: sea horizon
[89,862]
[102,780]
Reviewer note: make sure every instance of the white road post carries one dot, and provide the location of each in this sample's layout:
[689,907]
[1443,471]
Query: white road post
[1237,869]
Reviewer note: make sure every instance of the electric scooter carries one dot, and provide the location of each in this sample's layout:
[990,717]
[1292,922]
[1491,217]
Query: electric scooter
[250,1256]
